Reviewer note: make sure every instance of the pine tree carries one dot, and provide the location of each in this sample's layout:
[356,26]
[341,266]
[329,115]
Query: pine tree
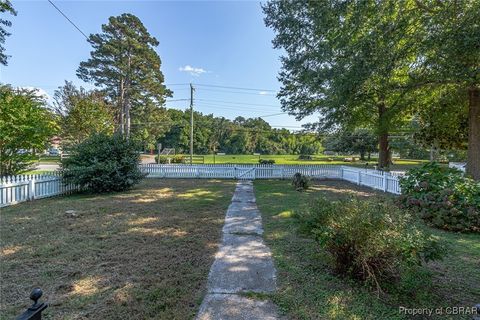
[124,63]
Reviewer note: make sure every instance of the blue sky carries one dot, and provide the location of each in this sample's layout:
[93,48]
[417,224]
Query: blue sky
[223,43]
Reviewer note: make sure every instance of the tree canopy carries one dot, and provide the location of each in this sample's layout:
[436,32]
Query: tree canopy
[81,113]
[125,64]
[368,63]
[5,7]
[26,124]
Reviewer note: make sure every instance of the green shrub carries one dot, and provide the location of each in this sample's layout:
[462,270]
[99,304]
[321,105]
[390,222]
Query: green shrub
[103,163]
[266,161]
[443,197]
[173,159]
[300,182]
[305,157]
[371,241]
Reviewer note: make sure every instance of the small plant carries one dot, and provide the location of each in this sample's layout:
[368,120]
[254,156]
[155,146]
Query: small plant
[103,163]
[266,161]
[371,241]
[305,157]
[300,182]
[443,197]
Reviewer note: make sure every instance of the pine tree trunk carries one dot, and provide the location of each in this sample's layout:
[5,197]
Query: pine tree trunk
[383,155]
[121,107]
[473,154]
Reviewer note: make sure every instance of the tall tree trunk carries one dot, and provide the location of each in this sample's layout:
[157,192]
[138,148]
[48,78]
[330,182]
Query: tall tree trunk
[127,120]
[383,155]
[362,155]
[473,153]
[121,107]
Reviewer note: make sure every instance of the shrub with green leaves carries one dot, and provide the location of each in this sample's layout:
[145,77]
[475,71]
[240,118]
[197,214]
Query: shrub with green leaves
[170,159]
[443,197]
[103,163]
[266,161]
[371,241]
[300,182]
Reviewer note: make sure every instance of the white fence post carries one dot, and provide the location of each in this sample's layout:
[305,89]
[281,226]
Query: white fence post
[31,189]
[385,182]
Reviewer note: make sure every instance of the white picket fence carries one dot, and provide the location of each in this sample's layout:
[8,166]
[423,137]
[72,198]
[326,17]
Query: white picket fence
[22,188]
[15,189]
[379,180]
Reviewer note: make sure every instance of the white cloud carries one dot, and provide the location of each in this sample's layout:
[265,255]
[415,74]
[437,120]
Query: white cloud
[263,93]
[192,70]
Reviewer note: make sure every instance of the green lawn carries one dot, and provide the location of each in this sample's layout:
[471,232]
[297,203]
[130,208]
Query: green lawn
[139,254]
[401,164]
[308,290]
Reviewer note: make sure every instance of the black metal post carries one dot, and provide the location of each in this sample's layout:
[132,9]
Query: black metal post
[34,312]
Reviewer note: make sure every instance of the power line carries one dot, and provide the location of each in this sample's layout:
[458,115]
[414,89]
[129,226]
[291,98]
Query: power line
[237,88]
[238,92]
[73,24]
[174,100]
[240,103]
[236,108]
[272,115]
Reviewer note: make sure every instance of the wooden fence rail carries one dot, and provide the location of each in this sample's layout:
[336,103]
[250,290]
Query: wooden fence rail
[15,189]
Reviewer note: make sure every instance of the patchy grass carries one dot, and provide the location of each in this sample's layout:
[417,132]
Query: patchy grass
[142,254]
[308,289]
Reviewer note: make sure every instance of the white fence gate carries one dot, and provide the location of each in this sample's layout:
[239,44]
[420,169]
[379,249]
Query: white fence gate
[21,188]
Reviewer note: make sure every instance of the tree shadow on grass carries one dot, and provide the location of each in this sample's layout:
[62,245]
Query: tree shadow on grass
[140,254]
[309,290]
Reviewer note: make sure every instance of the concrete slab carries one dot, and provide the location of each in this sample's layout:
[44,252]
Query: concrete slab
[243,225]
[234,307]
[243,196]
[243,264]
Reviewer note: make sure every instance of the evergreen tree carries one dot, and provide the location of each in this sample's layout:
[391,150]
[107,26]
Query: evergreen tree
[124,63]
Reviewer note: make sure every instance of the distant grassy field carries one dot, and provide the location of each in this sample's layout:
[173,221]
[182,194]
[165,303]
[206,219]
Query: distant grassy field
[399,164]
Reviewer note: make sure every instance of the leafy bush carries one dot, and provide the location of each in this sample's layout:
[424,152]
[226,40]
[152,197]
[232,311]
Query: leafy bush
[173,159]
[103,163]
[266,161]
[305,157]
[300,182]
[372,241]
[443,197]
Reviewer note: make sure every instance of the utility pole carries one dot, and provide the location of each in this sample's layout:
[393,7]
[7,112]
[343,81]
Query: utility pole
[191,123]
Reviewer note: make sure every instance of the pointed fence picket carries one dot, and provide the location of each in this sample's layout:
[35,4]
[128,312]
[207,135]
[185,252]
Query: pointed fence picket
[20,188]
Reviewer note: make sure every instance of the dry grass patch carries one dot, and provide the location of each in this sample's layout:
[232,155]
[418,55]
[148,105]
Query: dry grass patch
[307,289]
[140,254]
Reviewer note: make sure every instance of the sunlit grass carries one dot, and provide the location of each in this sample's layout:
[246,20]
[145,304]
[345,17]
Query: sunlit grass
[139,254]
[307,289]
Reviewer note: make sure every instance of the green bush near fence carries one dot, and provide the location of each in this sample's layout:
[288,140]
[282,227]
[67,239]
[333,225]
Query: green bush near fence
[103,163]
[371,241]
[173,159]
[266,161]
[300,182]
[443,197]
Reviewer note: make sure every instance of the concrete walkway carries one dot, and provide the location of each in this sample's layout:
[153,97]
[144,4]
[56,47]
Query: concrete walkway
[243,264]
